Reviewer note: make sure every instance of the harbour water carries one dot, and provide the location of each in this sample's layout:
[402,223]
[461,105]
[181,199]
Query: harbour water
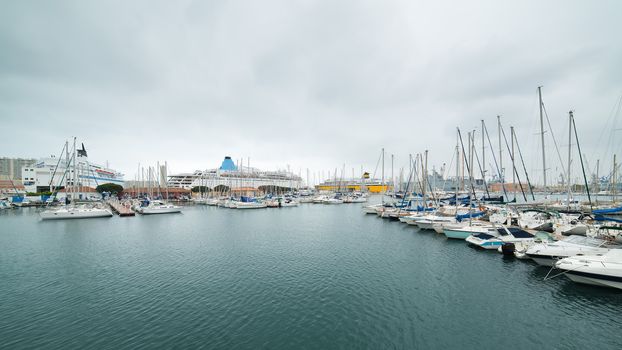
[311,277]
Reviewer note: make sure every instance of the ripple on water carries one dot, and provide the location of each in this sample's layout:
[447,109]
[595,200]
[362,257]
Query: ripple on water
[310,277]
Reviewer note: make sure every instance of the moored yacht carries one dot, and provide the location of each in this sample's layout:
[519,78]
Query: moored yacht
[599,269]
[158,207]
[462,230]
[535,219]
[75,212]
[547,254]
[516,241]
[320,199]
[429,222]
[250,203]
[371,209]
[485,240]
[333,200]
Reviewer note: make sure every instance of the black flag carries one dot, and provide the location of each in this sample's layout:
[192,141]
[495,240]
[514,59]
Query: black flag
[82,152]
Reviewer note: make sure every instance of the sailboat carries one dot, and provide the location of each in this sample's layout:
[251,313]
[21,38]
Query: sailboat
[250,203]
[159,207]
[71,210]
[75,212]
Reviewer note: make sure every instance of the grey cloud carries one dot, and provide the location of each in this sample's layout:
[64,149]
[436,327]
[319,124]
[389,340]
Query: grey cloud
[306,83]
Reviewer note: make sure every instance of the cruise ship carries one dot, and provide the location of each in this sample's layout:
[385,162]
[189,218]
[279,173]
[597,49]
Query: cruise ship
[49,173]
[232,176]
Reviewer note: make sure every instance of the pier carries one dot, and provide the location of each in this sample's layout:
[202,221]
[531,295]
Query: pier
[121,209]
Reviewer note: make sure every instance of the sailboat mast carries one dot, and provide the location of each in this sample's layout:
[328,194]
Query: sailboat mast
[472,150]
[483,154]
[462,168]
[569,156]
[597,178]
[500,152]
[75,173]
[542,137]
[410,168]
[513,167]
[67,171]
[392,175]
[382,181]
[166,178]
[425,178]
[614,175]
[457,166]
[469,151]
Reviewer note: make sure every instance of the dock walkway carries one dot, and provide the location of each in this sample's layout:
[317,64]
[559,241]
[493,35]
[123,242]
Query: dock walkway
[120,209]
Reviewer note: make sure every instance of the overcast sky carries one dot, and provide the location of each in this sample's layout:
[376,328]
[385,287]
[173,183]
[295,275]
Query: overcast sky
[312,84]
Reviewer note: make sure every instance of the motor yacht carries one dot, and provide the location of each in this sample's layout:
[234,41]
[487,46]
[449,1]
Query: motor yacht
[547,254]
[599,269]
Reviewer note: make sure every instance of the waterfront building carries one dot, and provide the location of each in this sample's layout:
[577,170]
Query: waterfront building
[11,168]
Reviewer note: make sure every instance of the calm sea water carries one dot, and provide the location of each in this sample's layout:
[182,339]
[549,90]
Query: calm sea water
[312,277]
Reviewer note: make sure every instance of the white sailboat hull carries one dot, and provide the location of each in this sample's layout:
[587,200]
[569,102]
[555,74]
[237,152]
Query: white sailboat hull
[62,214]
[251,205]
[161,210]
